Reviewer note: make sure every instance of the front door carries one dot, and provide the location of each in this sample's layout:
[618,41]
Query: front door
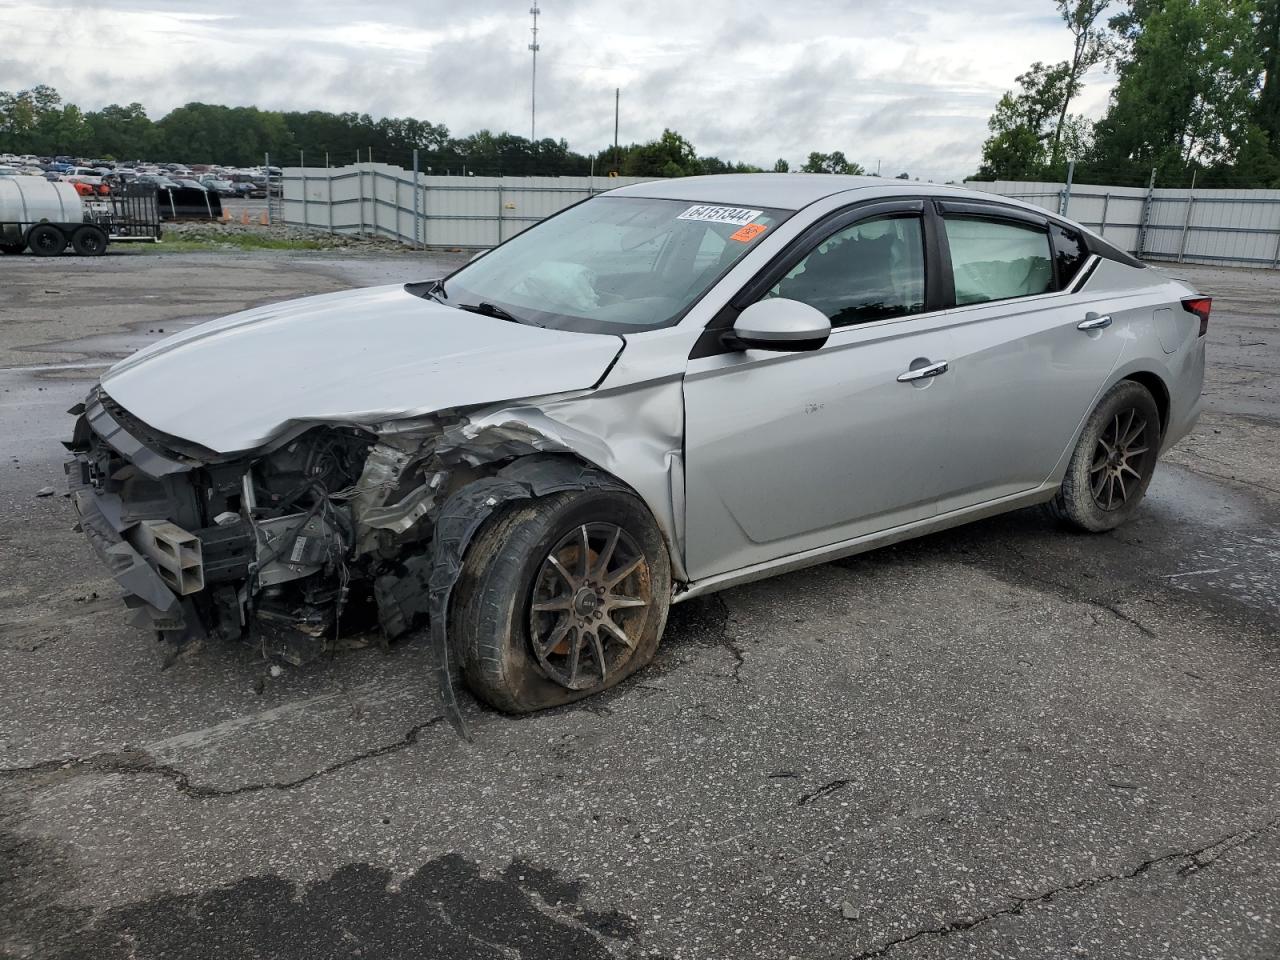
[789,452]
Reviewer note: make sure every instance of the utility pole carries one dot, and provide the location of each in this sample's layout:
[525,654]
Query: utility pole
[533,89]
[617,97]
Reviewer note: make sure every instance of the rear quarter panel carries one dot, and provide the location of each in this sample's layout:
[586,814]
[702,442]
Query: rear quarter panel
[1167,346]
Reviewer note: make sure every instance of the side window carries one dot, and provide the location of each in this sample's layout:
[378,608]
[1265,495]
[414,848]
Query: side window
[997,259]
[872,270]
[1070,253]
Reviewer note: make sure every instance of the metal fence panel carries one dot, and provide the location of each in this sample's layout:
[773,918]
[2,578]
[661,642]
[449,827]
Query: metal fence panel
[377,199]
[1226,227]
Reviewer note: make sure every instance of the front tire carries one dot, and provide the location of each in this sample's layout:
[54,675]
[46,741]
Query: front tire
[560,598]
[1113,462]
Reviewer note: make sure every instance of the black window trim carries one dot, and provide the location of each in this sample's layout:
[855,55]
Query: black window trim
[1053,250]
[995,210]
[711,344]
[939,280]
[1093,243]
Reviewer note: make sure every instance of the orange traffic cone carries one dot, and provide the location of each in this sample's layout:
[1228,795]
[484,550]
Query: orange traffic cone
[225,218]
[244,218]
[263,220]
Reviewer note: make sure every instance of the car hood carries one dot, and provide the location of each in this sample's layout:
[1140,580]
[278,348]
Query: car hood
[362,356]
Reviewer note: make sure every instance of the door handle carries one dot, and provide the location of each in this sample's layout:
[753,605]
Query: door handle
[1094,321]
[932,370]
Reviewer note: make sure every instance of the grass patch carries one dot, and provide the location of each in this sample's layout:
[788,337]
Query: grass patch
[221,243]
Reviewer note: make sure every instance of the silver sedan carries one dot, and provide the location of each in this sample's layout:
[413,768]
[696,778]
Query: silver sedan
[658,393]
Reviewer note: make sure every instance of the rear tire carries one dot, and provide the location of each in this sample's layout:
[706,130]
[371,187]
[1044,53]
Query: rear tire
[89,241]
[46,240]
[512,595]
[12,248]
[1113,461]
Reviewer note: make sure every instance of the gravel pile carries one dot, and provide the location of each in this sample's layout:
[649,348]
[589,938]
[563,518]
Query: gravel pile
[214,231]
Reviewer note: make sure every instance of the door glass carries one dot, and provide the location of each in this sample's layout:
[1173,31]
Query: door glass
[869,271]
[998,260]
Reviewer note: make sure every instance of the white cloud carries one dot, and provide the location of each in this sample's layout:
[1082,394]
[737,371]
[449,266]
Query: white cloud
[909,85]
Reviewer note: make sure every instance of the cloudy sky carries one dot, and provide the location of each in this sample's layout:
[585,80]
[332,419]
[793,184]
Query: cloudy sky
[906,84]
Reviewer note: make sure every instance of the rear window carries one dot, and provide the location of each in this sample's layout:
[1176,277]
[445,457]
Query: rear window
[998,260]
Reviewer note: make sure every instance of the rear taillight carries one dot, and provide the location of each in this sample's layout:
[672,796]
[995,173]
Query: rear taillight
[1200,306]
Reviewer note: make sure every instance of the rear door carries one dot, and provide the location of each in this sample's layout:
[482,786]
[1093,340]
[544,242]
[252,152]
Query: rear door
[1024,373]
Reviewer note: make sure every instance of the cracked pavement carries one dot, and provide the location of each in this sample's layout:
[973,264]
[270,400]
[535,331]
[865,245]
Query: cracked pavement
[1003,741]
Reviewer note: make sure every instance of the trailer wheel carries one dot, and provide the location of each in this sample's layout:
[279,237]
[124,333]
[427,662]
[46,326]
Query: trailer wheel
[47,240]
[89,241]
[12,247]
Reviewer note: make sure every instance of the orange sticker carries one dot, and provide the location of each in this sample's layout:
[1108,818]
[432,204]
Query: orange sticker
[748,233]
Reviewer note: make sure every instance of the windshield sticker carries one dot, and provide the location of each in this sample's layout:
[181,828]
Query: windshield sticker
[748,233]
[714,214]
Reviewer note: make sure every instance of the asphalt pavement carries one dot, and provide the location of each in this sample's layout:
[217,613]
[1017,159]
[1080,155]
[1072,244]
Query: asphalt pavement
[1006,740]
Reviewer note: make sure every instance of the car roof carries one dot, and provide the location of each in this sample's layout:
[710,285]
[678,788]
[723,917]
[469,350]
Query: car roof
[793,191]
[787,191]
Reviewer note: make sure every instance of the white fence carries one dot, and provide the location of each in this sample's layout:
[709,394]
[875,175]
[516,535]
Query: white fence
[378,199]
[1228,227]
[1224,227]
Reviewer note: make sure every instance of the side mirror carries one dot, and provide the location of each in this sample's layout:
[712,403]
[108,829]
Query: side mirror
[779,324]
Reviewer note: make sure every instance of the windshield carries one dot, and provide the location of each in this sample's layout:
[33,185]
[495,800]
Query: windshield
[611,264]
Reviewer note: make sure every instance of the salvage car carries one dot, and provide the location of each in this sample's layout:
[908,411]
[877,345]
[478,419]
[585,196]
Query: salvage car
[660,392]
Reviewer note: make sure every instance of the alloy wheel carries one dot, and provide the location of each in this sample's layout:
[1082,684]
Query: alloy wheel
[1119,459]
[588,604]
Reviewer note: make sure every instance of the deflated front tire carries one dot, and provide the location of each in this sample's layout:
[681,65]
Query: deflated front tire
[560,597]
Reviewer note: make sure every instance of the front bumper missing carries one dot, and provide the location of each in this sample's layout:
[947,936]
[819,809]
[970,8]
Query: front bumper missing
[102,520]
[130,522]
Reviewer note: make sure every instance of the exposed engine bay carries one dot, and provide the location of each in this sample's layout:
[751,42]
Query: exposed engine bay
[326,534]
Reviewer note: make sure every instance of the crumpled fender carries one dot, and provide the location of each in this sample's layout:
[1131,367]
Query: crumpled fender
[462,514]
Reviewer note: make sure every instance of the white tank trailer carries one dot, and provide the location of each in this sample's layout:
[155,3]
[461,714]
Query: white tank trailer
[46,217]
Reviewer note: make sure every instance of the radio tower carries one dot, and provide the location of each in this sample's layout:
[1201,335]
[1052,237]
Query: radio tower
[533,98]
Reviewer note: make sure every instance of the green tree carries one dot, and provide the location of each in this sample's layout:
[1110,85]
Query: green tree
[781,165]
[212,133]
[671,155]
[1268,43]
[32,120]
[121,132]
[37,121]
[1025,123]
[1090,48]
[1188,73]
[65,130]
[831,163]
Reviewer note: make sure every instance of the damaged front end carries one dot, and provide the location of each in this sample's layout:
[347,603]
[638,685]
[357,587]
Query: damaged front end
[325,535]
